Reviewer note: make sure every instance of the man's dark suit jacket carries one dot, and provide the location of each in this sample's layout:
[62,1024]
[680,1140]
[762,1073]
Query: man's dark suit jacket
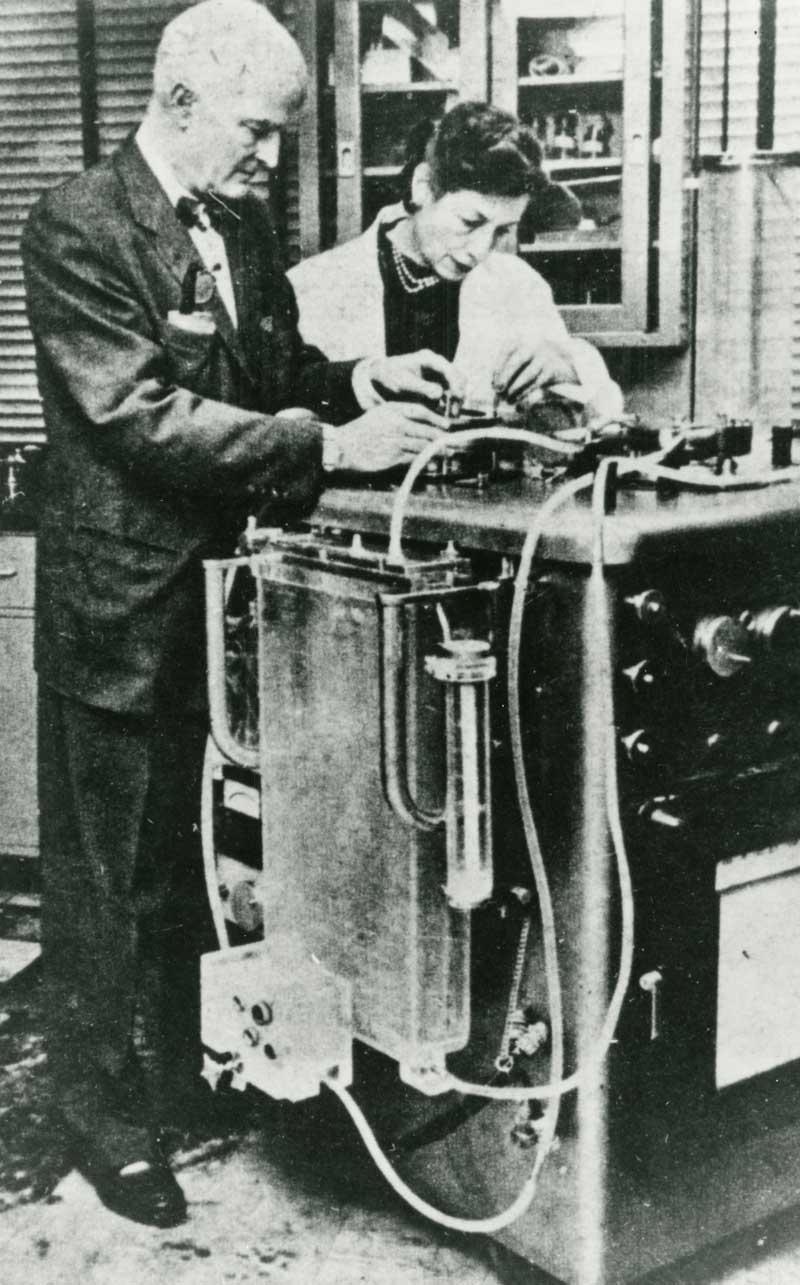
[158,442]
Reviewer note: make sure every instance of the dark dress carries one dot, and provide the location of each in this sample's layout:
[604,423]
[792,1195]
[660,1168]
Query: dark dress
[419,315]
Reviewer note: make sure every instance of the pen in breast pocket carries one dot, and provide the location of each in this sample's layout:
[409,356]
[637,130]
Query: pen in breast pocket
[191,315]
[188,289]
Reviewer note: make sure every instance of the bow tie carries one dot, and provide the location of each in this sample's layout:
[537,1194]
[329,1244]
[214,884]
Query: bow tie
[194,213]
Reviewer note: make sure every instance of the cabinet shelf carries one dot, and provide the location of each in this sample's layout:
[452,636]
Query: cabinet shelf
[583,246]
[559,11]
[582,163]
[567,81]
[411,87]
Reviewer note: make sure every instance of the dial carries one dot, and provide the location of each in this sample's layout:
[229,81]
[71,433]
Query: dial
[775,629]
[723,643]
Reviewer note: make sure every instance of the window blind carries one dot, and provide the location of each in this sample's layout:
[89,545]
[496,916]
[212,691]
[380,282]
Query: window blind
[728,76]
[126,36]
[40,145]
[787,85]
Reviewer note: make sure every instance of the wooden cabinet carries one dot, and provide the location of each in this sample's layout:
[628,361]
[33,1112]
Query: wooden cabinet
[18,806]
[601,82]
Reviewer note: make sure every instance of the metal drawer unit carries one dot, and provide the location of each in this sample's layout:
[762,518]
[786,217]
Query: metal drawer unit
[19,824]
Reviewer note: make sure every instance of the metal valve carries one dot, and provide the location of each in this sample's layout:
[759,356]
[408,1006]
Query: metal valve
[213,1071]
[651,984]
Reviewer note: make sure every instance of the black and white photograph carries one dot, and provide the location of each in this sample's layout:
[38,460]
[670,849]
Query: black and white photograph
[399,642]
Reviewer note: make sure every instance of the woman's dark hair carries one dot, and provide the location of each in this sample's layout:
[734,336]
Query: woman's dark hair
[478,148]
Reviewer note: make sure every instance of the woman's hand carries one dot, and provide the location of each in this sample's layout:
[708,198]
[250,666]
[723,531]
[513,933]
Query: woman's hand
[424,375]
[527,370]
[385,436]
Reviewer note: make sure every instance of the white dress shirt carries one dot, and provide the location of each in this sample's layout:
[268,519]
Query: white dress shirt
[210,245]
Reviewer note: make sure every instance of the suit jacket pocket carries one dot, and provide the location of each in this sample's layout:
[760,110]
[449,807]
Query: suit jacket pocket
[189,351]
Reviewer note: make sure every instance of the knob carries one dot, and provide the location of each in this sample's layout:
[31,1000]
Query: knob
[663,813]
[723,644]
[641,677]
[718,747]
[245,906]
[261,1013]
[775,629]
[650,606]
[781,735]
[638,748]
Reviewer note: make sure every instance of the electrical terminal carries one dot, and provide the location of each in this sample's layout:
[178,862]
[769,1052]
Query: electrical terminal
[430,1078]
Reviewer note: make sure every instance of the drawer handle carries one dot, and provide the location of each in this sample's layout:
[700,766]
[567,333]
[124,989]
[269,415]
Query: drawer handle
[7,573]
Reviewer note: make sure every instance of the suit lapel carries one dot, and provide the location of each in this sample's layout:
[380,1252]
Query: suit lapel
[246,256]
[174,246]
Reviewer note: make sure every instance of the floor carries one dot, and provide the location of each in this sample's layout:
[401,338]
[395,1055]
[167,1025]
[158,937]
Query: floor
[280,1194]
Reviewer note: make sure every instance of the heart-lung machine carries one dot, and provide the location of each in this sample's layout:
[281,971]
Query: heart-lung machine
[508,810]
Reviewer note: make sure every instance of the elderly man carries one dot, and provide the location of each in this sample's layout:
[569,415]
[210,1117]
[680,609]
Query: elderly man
[166,342]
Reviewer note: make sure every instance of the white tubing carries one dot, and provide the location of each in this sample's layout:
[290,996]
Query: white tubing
[601,633]
[648,466]
[483,1226]
[524,1199]
[461,438]
[211,761]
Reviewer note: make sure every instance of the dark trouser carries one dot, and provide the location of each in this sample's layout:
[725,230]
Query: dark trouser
[122,900]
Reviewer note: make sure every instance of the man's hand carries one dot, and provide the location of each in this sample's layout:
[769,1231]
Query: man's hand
[420,375]
[385,436]
[527,370]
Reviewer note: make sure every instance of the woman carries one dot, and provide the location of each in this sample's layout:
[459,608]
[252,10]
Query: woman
[428,274]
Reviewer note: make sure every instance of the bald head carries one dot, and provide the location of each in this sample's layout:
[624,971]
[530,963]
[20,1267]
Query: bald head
[227,77]
[229,46]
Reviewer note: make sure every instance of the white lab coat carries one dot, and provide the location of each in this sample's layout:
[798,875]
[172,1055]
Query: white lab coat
[503,301]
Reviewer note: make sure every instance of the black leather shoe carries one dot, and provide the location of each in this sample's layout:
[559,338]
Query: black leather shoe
[145,1191]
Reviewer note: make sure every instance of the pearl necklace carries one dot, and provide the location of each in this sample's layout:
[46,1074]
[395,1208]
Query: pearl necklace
[411,284]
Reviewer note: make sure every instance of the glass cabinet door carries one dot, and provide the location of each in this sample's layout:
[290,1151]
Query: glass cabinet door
[587,77]
[393,63]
